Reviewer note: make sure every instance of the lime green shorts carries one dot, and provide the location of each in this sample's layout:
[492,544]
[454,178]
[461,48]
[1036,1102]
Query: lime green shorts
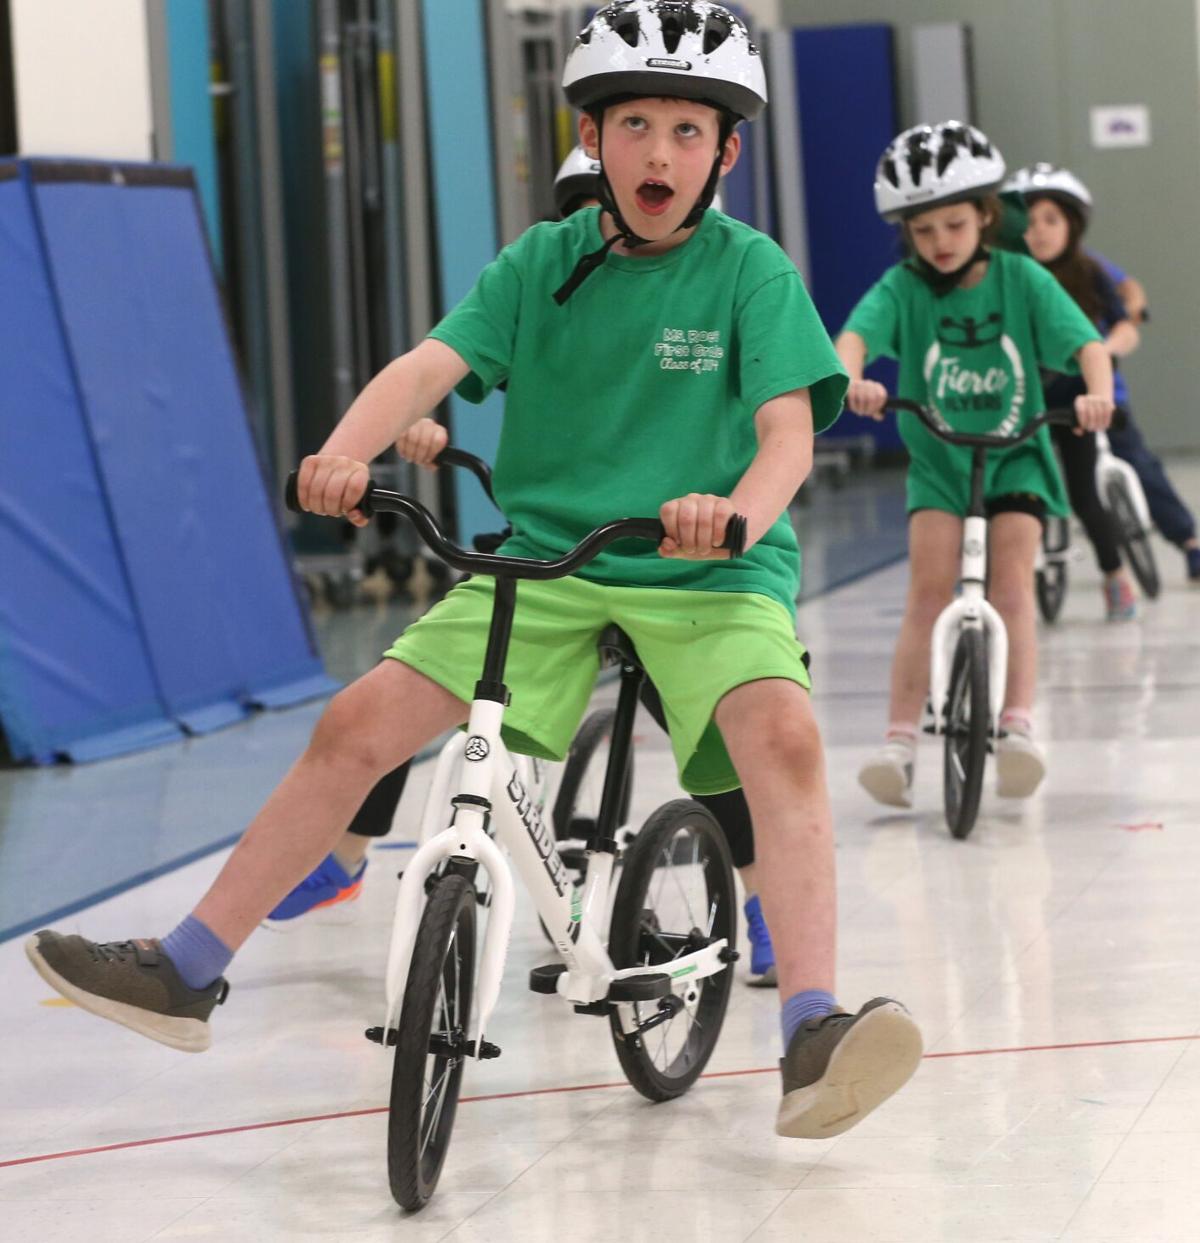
[696,646]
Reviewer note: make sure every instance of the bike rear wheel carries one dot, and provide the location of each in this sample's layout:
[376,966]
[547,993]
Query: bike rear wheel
[676,895]
[1132,536]
[430,1045]
[577,804]
[967,722]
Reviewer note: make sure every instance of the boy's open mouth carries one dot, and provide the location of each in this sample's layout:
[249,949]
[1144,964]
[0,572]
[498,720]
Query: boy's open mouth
[654,197]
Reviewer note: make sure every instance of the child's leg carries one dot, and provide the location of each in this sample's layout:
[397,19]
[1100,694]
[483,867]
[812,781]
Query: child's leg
[934,546]
[366,731]
[1013,545]
[773,741]
[836,1067]
[1014,539]
[339,876]
[934,540]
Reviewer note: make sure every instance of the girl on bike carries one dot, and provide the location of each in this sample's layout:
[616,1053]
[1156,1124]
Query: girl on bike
[970,327]
[1060,209]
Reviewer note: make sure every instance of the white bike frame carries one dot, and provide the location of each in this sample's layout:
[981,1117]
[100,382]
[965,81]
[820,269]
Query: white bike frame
[1109,466]
[495,810]
[970,611]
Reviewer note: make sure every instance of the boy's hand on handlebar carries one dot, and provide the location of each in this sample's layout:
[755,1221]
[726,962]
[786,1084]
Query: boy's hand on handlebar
[333,486]
[695,526]
[423,442]
[1093,413]
[867,397]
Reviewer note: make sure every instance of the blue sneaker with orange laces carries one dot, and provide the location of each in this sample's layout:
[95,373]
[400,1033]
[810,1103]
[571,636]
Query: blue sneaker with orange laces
[762,955]
[327,885]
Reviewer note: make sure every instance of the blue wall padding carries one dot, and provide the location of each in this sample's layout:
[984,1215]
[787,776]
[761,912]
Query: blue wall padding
[75,677]
[845,83]
[222,618]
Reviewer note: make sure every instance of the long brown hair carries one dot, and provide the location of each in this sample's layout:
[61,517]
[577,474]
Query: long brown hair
[1075,270]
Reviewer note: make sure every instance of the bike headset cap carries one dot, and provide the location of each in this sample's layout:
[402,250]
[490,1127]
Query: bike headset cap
[1048,181]
[677,49]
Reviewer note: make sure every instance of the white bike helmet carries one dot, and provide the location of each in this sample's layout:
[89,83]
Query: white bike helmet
[685,49]
[935,165]
[577,178]
[1051,182]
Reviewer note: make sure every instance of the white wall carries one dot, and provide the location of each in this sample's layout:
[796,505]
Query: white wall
[82,70]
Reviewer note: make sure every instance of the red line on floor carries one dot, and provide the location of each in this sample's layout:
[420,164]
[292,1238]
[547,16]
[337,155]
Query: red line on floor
[580,1087]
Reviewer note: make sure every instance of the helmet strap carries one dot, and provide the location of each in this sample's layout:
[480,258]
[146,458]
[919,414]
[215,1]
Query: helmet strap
[608,203]
[943,283]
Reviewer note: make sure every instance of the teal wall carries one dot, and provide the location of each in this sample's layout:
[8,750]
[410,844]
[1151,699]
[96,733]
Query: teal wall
[460,150]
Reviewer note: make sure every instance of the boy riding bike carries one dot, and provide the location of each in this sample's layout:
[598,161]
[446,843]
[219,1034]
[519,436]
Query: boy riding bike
[657,357]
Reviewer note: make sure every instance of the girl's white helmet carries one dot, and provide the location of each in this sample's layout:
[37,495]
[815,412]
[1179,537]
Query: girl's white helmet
[685,49]
[933,165]
[1055,183]
[578,177]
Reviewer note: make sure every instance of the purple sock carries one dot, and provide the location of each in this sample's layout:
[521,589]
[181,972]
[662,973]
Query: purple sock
[199,955]
[815,1003]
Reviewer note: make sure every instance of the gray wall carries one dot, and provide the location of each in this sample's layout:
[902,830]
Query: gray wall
[1039,66]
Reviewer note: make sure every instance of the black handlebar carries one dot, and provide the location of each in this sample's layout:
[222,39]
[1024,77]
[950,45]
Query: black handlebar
[1064,417]
[375,499]
[476,465]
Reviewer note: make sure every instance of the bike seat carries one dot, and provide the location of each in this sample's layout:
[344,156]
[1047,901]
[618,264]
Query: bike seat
[616,648]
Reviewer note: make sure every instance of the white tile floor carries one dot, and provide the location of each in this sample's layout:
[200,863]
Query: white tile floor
[1052,960]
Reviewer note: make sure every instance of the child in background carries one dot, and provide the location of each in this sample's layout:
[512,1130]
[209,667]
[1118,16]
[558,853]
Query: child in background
[1058,206]
[970,326]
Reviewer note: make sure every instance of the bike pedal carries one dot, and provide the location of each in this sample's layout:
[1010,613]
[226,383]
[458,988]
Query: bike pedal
[545,979]
[640,988]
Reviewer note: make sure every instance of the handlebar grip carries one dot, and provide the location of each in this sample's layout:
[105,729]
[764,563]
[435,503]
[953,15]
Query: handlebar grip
[291,496]
[735,536]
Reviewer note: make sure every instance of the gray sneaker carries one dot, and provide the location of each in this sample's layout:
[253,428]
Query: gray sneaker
[130,982]
[840,1067]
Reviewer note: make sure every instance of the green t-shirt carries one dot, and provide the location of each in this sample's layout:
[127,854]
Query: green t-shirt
[975,355]
[640,389]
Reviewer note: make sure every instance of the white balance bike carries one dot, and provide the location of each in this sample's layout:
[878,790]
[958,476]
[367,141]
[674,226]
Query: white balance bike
[969,654]
[660,971]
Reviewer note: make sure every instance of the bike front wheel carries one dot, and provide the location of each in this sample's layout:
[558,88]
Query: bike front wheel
[967,721]
[676,896]
[430,1043]
[1133,537]
[1051,576]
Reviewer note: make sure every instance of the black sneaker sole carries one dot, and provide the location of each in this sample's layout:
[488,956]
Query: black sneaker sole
[875,1058]
[186,1035]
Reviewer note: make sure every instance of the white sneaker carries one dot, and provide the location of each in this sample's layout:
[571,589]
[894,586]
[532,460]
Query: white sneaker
[888,775]
[1020,763]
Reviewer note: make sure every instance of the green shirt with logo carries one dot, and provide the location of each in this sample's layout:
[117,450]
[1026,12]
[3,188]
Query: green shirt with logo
[975,355]
[641,388]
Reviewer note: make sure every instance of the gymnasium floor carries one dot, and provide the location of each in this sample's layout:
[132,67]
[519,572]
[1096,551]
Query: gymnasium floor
[1051,961]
